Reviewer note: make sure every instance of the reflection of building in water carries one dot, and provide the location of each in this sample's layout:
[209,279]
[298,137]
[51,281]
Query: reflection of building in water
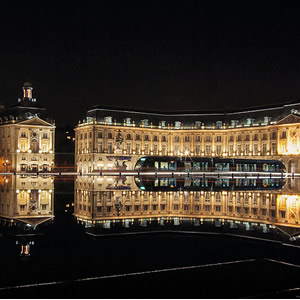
[95,203]
[26,200]
[26,136]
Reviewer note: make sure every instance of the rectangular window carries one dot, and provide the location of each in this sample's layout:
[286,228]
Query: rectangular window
[146,149]
[109,148]
[207,149]
[247,149]
[274,148]
[255,149]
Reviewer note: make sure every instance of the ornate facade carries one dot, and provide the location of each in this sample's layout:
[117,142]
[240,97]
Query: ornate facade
[115,139]
[26,145]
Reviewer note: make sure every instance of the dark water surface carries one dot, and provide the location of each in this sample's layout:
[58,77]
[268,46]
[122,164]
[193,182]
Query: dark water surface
[65,262]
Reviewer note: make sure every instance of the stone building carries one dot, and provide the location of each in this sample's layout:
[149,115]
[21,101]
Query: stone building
[114,138]
[26,145]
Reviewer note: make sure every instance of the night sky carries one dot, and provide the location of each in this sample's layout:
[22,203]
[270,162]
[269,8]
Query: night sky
[164,55]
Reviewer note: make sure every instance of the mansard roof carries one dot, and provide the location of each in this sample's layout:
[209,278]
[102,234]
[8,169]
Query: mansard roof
[24,111]
[262,115]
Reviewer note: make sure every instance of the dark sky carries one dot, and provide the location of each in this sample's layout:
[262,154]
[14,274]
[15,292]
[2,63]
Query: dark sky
[168,55]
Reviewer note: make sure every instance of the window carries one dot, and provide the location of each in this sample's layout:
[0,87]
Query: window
[163,138]
[218,138]
[207,149]
[231,138]
[127,121]
[274,148]
[23,134]
[186,138]
[265,136]
[283,134]
[219,149]
[207,139]
[100,134]
[247,149]
[198,150]
[264,148]
[176,139]
[219,124]
[109,148]
[255,149]
[155,138]
[274,135]
[162,124]
[109,135]
[128,147]
[45,135]
[108,120]
[146,137]
[198,138]
[177,125]
[100,147]
[145,122]
[146,148]
[128,136]
[255,137]
[137,137]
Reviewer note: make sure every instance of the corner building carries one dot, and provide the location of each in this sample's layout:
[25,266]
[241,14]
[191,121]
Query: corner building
[114,138]
[26,145]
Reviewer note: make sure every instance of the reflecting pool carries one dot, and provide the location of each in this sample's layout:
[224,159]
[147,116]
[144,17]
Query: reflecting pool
[87,235]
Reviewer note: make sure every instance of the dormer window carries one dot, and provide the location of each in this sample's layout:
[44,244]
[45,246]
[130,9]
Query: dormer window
[267,120]
[250,121]
[108,120]
[162,124]
[145,122]
[234,122]
[127,121]
[197,124]
[177,125]
[219,124]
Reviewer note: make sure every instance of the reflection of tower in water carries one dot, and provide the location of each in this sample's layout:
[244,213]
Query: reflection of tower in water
[26,205]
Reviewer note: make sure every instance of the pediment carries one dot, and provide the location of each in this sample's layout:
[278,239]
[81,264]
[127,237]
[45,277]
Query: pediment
[34,221]
[291,118]
[35,121]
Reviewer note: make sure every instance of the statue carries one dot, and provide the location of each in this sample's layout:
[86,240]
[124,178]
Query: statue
[118,144]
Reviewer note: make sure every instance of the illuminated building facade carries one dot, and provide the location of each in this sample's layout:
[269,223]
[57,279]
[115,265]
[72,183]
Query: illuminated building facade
[26,145]
[115,139]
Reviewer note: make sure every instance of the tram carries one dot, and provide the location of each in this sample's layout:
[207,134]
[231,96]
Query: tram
[207,164]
